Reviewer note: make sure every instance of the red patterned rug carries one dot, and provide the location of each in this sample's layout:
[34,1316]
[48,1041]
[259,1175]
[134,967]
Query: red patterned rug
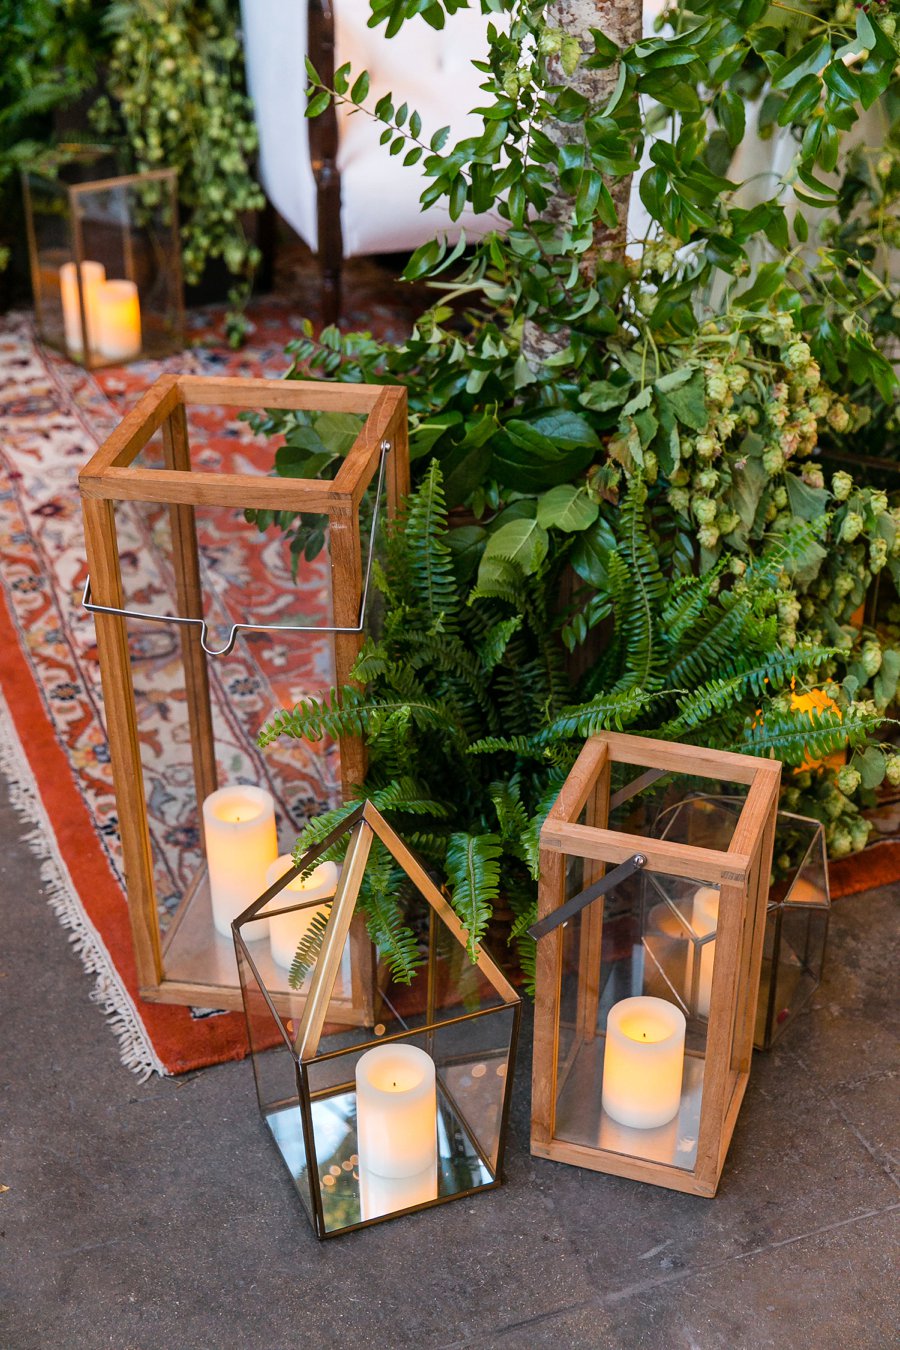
[53,746]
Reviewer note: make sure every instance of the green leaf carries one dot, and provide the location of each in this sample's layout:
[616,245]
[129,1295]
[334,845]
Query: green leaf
[885,684]
[807,503]
[590,556]
[732,116]
[688,402]
[870,766]
[466,544]
[567,508]
[360,90]
[318,103]
[809,60]
[802,99]
[521,542]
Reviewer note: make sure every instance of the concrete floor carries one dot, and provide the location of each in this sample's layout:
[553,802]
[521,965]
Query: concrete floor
[157,1217]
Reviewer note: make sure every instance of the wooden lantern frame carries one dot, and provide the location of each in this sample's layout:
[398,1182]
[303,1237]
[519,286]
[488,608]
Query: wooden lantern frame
[742,874]
[111,476]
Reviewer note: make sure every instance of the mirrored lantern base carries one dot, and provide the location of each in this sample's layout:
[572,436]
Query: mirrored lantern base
[350,1196]
[195,955]
[580,1118]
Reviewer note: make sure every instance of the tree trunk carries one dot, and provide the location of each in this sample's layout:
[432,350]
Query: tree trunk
[620,20]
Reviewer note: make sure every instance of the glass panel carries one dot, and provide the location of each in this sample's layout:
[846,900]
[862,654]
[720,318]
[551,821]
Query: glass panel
[633,1025]
[794,956]
[275,1071]
[686,808]
[257,676]
[444,982]
[800,865]
[375,1156]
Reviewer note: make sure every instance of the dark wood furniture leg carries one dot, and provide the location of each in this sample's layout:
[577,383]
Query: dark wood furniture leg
[323,147]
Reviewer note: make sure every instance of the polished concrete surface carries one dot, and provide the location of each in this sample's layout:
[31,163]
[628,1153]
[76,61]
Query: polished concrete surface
[158,1217]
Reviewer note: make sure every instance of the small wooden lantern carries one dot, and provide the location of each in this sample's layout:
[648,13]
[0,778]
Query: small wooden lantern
[648,975]
[193,963]
[105,258]
[407,1108]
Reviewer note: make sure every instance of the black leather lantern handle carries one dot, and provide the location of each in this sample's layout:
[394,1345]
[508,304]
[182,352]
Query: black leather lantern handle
[586,897]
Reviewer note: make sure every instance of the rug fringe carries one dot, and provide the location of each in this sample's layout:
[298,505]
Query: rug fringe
[135,1048]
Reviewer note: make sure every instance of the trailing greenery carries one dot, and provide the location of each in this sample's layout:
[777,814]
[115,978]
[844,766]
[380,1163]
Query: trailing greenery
[472,723]
[177,99]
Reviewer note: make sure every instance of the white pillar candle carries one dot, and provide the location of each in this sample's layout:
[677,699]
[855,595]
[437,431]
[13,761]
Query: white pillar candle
[93,276]
[287,931]
[643,1062]
[396,1111]
[704,919]
[241,845]
[118,321]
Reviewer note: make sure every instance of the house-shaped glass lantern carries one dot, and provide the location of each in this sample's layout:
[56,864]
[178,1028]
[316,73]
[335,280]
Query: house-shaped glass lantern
[797,911]
[203,626]
[409,1109]
[105,258]
[650,944]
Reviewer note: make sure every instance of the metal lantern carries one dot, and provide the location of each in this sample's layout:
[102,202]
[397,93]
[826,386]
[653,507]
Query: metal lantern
[797,912]
[650,941]
[105,258]
[142,485]
[406,1107]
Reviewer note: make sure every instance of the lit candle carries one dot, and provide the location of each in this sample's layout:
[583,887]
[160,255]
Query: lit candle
[396,1112]
[643,1062]
[93,276]
[704,919]
[287,931]
[118,320]
[241,844]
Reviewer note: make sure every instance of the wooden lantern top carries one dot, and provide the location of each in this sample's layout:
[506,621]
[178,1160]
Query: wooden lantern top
[112,475]
[562,833]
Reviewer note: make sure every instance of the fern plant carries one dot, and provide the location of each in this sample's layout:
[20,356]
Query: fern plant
[471,722]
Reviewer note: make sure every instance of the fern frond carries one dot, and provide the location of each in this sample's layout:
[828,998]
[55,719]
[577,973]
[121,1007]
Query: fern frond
[493,644]
[515,745]
[603,712]
[717,696]
[473,871]
[307,953]
[799,735]
[405,794]
[353,712]
[382,881]
[434,586]
[514,823]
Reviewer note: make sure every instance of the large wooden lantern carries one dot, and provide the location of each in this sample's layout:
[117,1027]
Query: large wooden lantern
[649,955]
[148,460]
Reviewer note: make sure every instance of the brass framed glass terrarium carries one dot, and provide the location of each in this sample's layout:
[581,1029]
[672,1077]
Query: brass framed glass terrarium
[649,952]
[105,258]
[797,910]
[406,1107]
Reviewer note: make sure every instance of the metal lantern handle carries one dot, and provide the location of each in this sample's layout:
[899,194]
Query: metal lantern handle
[236,628]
